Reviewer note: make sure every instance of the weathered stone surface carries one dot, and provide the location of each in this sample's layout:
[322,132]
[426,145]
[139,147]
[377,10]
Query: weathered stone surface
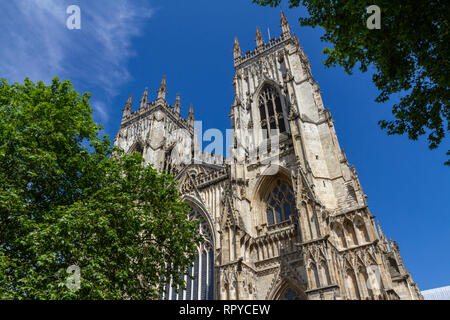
[328,247]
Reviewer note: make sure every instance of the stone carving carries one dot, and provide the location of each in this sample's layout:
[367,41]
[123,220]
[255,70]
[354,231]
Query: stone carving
[325,248]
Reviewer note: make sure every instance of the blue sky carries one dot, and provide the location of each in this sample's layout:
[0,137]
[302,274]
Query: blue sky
[126,45]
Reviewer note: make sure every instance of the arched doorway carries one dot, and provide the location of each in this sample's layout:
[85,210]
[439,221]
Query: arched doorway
[275,199]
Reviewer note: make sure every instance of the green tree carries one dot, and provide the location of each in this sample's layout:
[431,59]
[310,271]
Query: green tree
[64,200]
[410,54]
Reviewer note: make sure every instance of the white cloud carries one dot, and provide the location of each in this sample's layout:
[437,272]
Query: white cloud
[36,43]
[100,109]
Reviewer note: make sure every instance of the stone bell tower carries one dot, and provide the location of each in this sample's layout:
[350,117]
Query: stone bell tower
[157,131]
[297,224]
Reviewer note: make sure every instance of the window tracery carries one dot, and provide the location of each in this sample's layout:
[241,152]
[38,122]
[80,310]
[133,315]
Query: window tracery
[280,203]
[270,111]
[200,286]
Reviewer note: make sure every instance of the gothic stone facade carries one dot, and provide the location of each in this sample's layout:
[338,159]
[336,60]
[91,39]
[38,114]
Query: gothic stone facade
[302,231]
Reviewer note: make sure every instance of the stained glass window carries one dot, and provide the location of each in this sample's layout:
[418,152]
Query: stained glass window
[280,203]
[201,283]
[211,275]
[290,295]
[204,276]
[189,285]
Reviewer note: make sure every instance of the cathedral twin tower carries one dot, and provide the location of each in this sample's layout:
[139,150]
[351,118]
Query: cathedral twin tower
[290,223]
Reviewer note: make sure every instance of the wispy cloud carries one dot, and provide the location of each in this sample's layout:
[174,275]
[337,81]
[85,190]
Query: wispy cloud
[35,42]
[100,109]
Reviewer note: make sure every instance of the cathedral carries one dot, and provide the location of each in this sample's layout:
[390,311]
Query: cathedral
[284,216]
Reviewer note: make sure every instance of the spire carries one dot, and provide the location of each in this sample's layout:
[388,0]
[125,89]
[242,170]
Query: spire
[129,102]
[127,108]
[177,106]
[237,48]
[191,116]
[144,100]
[259,39]
[382,237]
[285,25]
[162,90]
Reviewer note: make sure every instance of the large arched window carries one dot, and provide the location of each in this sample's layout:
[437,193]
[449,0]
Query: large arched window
[200,286]
[270,110]
[280,203]
[137,147]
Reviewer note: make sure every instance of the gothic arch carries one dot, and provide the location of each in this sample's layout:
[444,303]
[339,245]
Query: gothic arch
[284,289]
[365,282]
[324,273]
[350,233]
[267,176]
[263,85]
[370,259]
[313,275]
[361,229]
[338,235]
[199,205]
[281,205]
[351,284]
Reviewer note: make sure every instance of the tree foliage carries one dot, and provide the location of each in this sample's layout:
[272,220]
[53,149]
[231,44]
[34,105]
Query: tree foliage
[410,54]
[64,200]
